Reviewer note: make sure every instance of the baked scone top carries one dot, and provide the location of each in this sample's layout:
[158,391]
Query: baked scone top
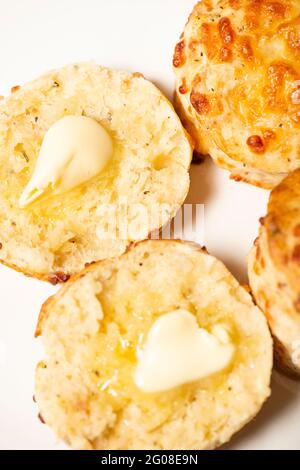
[238,72]
[149,166]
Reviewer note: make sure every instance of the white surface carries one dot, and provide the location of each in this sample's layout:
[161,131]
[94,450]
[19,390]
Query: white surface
[137,35]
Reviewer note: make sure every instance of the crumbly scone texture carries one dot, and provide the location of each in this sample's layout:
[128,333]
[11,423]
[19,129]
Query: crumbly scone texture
[237,69]
[91,331]
[152,153]
[274,271]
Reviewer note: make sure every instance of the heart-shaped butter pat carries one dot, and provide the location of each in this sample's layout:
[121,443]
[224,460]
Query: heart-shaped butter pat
[177,352]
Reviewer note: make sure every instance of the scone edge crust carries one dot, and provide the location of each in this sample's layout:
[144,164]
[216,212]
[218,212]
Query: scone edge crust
[274,271]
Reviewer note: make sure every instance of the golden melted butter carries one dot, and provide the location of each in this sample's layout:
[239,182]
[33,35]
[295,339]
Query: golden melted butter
[58,207]
[115,353]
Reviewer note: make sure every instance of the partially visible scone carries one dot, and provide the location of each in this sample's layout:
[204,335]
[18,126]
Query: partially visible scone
[274,271]
[237,69]
[94,330]
[54,238]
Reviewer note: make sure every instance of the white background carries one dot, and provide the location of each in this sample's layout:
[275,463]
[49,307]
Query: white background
[137,35]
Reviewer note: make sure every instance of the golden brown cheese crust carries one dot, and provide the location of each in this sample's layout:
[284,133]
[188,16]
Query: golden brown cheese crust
[274,271]
[238,85]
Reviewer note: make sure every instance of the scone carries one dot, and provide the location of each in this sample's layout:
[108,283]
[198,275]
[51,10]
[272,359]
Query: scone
[81,148]
[274,272]
[158,349]
[237,68]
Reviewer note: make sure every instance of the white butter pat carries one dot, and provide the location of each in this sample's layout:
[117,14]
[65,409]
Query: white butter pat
[178,352]
[74,150]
